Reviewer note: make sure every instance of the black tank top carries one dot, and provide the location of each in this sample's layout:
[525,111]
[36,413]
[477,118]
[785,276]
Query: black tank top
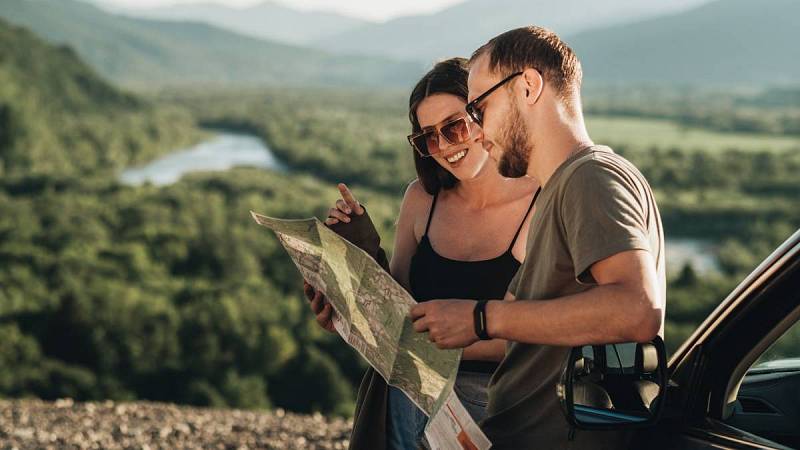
[433,276]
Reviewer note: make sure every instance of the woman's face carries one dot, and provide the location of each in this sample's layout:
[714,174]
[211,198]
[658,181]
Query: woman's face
[464,160]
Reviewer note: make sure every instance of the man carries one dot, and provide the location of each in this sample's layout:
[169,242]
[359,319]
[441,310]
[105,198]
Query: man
[594,266]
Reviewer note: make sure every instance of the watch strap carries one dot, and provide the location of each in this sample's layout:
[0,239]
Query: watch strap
[479,317]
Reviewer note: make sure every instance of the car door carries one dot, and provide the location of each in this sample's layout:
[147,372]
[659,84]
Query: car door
[716,397]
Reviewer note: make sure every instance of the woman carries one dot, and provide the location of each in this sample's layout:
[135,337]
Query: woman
[461,233]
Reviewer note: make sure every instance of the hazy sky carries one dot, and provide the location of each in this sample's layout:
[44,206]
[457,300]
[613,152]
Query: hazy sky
[377,10]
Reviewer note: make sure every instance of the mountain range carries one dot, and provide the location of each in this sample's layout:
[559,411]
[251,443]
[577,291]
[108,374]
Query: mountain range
[459,29]
[727,41]
[618,41]
[266,20]
[147,53]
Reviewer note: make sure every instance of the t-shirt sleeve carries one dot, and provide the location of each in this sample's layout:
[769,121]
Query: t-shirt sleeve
[603,214]
[514,285]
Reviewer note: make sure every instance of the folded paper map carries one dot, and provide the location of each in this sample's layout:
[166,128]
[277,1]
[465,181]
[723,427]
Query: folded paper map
[371,314]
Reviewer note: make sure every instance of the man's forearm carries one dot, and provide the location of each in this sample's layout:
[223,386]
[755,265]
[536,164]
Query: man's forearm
[604,314]
[491,350]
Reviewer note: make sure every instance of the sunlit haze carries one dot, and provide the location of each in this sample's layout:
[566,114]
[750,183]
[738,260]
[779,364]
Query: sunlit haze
[364,9]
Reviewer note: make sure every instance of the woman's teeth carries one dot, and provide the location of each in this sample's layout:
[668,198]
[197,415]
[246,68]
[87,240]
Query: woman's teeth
[457,156]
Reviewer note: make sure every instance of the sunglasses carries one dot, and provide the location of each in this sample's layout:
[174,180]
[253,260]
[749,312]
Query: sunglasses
[474,112]
[426,142]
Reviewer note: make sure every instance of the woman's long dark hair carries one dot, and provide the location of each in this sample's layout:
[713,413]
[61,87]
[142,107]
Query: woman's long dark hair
[446,77]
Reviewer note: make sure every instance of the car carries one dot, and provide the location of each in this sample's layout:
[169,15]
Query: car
[721,389]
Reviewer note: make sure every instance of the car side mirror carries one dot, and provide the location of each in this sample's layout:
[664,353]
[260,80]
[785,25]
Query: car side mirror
[614,386]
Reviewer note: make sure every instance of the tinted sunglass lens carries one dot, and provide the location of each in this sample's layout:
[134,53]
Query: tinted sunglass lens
[456,132]
[432,142]
[420,142]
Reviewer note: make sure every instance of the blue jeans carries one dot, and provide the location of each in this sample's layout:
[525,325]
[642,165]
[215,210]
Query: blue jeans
[406,423]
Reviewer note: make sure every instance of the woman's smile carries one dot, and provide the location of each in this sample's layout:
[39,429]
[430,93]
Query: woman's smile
[455,157]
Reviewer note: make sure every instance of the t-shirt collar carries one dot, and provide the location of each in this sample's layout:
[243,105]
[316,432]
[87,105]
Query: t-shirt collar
[573,157]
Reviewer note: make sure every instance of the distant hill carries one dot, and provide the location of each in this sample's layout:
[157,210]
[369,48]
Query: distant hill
[58,117]
[151,53]
[727,41]
[458,30]
[266,20]
[689,41]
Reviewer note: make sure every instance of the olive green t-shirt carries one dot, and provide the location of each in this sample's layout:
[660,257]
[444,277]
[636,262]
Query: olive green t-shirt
[595,205]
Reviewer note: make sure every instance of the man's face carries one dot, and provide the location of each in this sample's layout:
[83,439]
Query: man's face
[505,135]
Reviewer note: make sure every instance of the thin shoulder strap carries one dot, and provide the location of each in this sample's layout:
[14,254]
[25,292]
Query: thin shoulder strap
[516,235]
[430,213]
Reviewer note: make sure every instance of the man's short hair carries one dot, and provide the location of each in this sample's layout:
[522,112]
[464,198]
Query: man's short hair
[538,48]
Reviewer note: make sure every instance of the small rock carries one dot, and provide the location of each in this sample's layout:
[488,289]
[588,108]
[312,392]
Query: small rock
[64,403]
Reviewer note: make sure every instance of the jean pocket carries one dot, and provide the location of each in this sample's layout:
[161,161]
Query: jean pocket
[470,387]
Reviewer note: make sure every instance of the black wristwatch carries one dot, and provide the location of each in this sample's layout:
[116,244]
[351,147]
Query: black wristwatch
[479,316]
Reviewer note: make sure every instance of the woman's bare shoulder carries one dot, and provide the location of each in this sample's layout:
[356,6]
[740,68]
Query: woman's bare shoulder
[416,198]
[416,204]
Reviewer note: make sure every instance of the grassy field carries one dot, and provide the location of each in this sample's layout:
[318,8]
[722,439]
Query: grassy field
[639,134]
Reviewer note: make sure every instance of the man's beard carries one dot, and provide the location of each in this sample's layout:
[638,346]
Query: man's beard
[516,148]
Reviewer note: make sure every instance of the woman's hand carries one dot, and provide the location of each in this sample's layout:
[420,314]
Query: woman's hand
[344,207]
[320,307]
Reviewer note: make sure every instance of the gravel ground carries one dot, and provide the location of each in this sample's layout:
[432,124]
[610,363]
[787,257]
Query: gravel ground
[35,424]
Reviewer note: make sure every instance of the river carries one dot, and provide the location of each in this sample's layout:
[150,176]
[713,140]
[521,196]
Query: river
[222,152]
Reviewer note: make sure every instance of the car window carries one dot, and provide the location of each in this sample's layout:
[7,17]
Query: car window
[621,356]
[783,354]
[768,400]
